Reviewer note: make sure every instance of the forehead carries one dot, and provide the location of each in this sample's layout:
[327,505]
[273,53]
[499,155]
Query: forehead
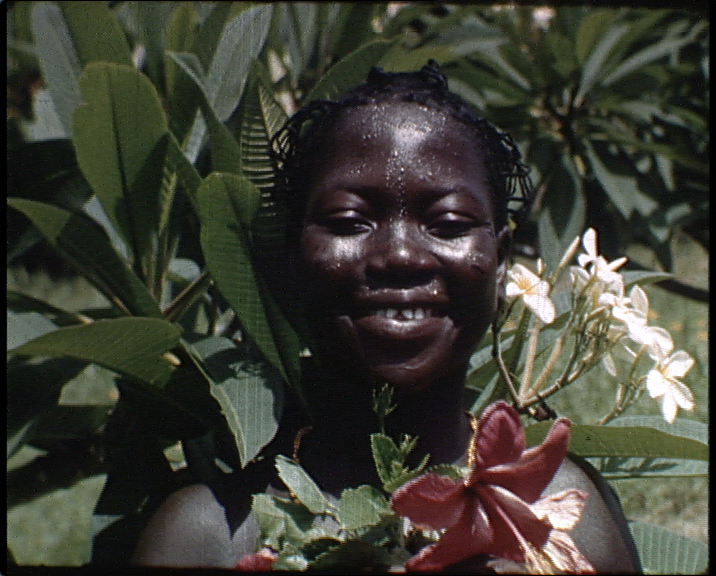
[401,138]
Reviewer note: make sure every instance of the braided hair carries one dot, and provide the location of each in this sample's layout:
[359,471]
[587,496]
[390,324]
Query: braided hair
[292,146]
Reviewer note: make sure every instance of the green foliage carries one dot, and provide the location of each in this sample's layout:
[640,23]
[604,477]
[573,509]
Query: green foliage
[164,111]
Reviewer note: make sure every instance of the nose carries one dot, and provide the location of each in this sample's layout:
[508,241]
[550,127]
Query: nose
[400,255]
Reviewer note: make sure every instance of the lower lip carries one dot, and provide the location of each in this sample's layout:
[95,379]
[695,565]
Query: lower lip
[383,327]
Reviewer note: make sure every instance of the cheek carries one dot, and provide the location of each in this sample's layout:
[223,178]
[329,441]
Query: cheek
[324,258]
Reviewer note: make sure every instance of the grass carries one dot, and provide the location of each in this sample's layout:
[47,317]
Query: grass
[55,529]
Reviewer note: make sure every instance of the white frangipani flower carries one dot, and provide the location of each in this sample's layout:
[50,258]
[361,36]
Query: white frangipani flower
[603,270]
[533,290]
[662,382]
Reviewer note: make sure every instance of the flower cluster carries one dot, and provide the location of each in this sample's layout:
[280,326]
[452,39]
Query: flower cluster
[605,322]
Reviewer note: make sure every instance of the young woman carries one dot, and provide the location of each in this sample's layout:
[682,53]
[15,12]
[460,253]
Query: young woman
[399,198]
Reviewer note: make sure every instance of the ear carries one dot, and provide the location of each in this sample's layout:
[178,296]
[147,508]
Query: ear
[504,243]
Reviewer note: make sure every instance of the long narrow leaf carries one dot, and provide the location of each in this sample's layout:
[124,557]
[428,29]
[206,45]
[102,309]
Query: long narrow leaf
[592,68]
[120,140]
[129,346]
[639,441]
[225,152]
[58,60]
[86,245]
[349,72]
[83,21]
[648,55]
[225,244]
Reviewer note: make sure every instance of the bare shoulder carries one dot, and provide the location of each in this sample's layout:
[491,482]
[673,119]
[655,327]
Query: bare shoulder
[190,528]
[602,534]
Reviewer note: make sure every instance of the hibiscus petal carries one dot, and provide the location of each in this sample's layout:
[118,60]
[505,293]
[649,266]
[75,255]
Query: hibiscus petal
[499,439]
[565,555]
[512,520]
[528,476]
[469,537]
[431,501]
[563,509]
[260,561]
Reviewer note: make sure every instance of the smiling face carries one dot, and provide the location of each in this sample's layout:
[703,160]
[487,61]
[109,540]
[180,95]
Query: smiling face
[398,251]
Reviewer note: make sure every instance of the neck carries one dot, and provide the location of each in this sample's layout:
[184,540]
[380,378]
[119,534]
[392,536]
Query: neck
[336,452]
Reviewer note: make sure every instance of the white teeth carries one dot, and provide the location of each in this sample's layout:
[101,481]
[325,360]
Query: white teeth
[405,313]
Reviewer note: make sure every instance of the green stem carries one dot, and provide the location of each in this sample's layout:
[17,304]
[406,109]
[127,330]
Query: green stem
[188,296]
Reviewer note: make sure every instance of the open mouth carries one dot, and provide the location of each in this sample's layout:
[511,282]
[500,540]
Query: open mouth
[405,313]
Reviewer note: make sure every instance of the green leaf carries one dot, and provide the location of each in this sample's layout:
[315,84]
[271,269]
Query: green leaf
[86,245]
[302,486]
[665,552]
[563,215]
[225,152]
[71,421]
[593,65]
[621,189]
[249,391]
[241,41]
[96,33]
[179,37]
[615,468]
[120,137]
[32,389]
[130,346]
[58,60]
[352,555]
[591,27]
[348,72]
[226,205]
[260,117]
[361,507]
[390,458]
[643,277]
[651,53]
[639,441]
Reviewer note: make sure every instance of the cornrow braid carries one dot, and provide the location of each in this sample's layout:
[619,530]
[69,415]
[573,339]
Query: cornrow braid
[291,146]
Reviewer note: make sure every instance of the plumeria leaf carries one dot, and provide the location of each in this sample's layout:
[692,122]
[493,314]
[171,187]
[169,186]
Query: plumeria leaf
[625,467]
[350,71]
[130,346]
[361,507]
[665,552]
[632,277]
[302,486]
[86,245]
[639,441]
[248,389]
[121,139]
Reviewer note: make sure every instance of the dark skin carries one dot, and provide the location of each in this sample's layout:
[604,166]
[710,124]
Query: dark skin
[403,271]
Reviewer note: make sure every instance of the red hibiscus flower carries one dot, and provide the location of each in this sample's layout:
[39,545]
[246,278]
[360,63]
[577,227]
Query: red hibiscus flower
[260,561]
[487,512]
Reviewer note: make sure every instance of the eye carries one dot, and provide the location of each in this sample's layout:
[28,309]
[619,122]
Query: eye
[451,225]
[346,223]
